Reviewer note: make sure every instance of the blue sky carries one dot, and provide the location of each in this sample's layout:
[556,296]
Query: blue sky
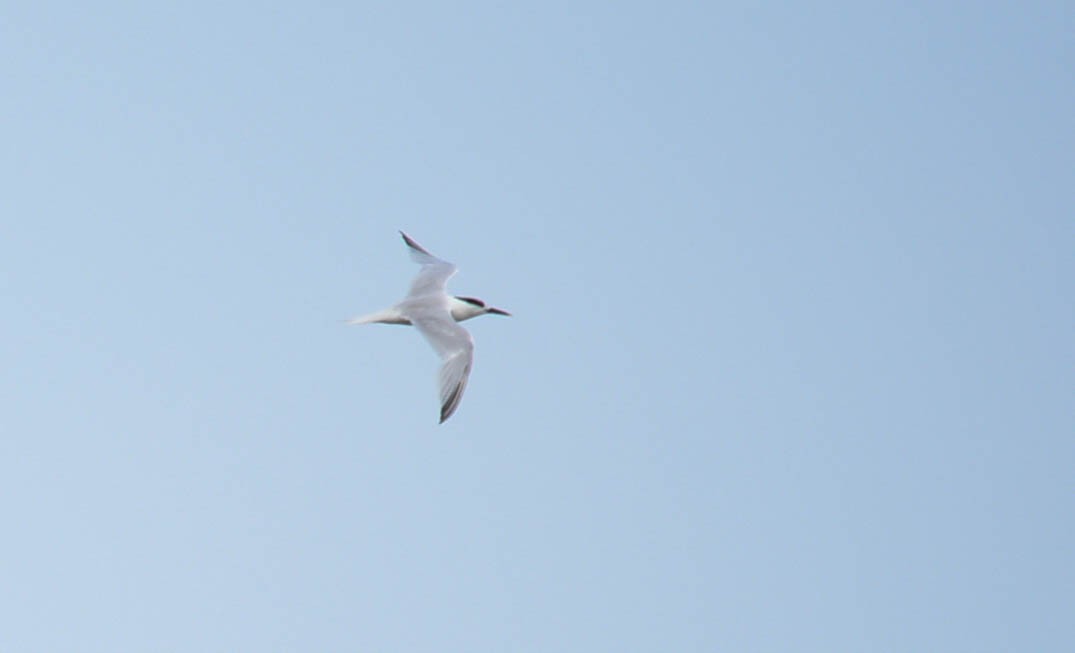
[789,368]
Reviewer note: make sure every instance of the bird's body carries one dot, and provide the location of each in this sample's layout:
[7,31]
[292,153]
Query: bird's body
[461,309]
[429,308]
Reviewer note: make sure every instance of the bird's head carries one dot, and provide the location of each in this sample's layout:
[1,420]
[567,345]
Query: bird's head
[464,308]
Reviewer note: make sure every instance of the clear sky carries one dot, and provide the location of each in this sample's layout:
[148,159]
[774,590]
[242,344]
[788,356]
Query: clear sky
[790,366]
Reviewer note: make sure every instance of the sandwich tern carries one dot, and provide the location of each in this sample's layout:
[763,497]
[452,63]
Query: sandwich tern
[430,309]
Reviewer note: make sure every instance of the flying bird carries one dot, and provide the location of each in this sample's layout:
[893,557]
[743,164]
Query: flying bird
[431,310]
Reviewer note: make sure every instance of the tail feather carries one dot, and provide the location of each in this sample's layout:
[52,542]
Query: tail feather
[387,316]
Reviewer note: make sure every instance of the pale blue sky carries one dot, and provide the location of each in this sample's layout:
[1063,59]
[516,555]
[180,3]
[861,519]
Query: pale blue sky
[790,367]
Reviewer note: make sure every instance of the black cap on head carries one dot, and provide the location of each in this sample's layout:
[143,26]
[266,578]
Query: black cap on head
[470,300]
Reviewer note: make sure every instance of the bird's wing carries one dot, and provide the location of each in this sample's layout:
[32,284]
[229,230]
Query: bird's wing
[434,274]
[456,349]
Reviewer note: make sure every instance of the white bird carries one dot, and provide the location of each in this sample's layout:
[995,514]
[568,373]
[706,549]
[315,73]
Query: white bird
[434,313]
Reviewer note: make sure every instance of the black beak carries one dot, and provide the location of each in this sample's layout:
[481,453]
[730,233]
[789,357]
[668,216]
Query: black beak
[497,311]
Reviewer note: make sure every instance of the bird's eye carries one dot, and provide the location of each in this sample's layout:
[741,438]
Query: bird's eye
[470,300]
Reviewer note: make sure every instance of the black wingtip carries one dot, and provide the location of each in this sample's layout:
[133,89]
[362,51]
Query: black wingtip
[450,404]
[412,244]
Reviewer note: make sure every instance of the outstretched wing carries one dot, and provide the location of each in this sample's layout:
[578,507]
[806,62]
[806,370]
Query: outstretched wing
[456,349]
[434,274]
[454,374]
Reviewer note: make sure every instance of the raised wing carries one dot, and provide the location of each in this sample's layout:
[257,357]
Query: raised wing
[435,272]
[456,349]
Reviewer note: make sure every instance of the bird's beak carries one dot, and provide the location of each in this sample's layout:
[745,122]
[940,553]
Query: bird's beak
[497,311]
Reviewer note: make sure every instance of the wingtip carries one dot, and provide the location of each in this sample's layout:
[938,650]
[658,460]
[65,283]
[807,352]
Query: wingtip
[451,403]
[413,244]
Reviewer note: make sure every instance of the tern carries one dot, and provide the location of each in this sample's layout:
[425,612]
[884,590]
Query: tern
[431,310]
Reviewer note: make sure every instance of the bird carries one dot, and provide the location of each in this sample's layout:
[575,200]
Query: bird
[430,309]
